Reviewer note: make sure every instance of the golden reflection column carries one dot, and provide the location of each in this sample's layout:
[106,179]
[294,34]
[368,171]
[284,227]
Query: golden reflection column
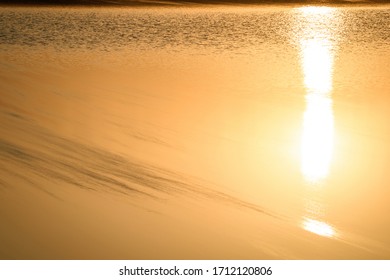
[317,135]
[318,123]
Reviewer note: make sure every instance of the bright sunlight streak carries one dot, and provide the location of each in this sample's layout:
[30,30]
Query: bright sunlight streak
[317,66]
[316,10]
[319,228]
[318,122]
[317,135]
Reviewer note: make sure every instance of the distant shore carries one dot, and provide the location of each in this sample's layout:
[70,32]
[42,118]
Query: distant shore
[183,3]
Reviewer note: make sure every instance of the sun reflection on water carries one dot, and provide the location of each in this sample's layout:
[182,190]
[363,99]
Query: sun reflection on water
[319,228]
[317,139]
[317,65]
[316,10]
[317,135]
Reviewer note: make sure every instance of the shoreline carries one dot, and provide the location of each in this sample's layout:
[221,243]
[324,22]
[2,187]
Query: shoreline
[186,4]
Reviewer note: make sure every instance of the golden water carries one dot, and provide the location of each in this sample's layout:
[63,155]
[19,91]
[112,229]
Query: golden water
[224,132]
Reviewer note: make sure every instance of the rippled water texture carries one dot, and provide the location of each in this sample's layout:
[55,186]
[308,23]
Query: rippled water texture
[195,133]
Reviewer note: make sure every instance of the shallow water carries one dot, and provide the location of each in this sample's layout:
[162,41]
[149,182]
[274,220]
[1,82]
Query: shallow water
[223,132]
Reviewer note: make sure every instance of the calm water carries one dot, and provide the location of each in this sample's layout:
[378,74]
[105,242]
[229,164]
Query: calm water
[224,132]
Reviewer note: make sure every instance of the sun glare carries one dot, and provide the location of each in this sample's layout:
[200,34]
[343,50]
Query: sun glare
[316,10]
[317,134]
[319,228]
[317,137]
[317,66]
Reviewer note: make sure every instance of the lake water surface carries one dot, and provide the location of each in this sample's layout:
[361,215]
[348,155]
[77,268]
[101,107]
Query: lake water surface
[195,133]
